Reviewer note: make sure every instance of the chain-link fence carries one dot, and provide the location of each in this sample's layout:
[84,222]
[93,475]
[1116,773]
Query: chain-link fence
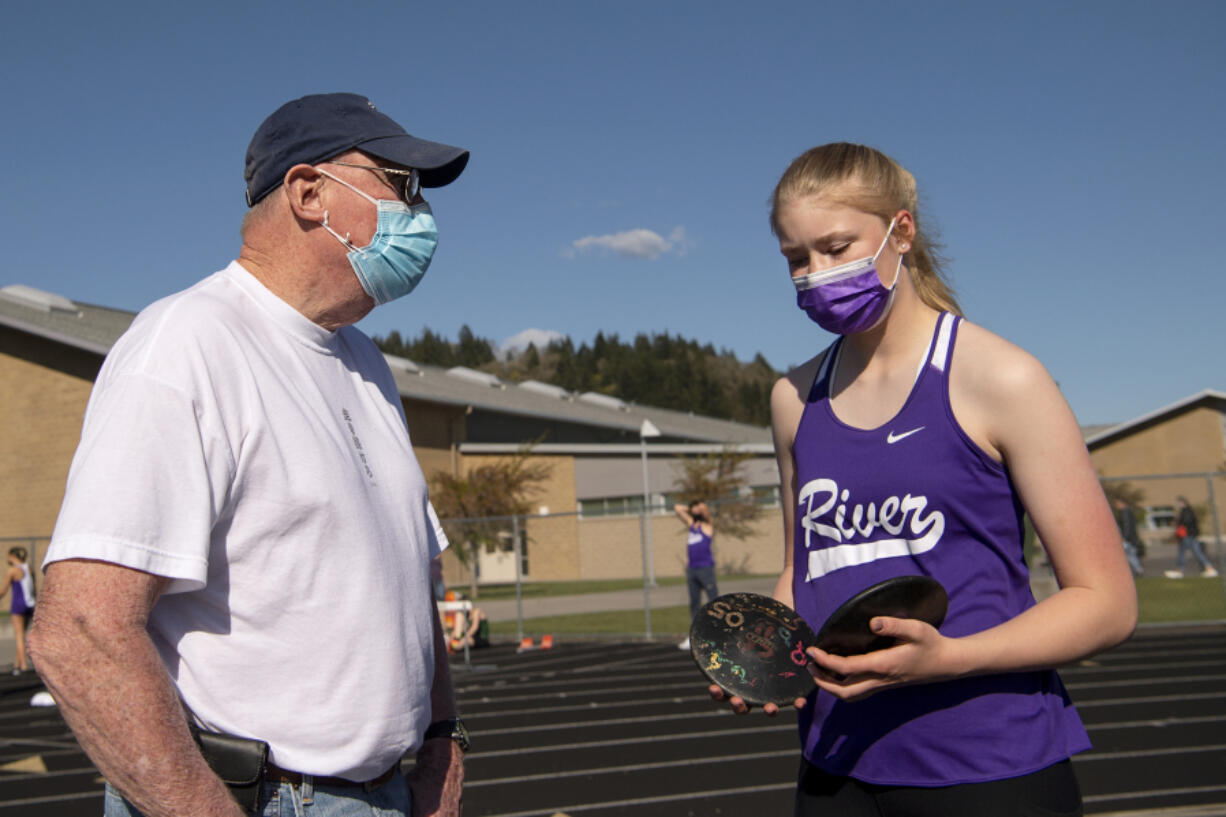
[1174,584]
[1179,565]
[616,572]
[1154,501]
[620,572]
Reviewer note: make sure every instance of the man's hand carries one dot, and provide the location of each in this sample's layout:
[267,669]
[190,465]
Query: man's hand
[90,646]
[437,780]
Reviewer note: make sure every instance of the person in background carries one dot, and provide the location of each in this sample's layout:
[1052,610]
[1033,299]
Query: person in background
[18,579]
[1187,535]
[463,626]
[438,585]
[1133,548]
[699,556]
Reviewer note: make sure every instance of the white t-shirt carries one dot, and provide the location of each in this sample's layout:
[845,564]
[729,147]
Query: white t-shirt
[263,463]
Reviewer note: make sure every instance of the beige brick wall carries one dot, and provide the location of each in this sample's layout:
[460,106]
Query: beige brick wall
[1188,443]
[42,404]
[612,547]
[565,547]
[552,547]
[432,461]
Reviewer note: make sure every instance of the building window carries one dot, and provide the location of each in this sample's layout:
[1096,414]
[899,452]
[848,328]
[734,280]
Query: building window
[621,506]
[765,495]
[1160,517]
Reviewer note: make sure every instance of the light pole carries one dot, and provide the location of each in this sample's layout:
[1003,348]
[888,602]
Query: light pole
[648,429]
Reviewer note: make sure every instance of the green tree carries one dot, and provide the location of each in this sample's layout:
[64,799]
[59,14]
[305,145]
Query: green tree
[660,370]
[473,351]
[1117,489]
[469,505]
[531,358]
[719,479]
[431,349]
[393,344]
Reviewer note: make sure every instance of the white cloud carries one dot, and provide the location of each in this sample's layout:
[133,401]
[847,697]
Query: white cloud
[519,342]
[640,243]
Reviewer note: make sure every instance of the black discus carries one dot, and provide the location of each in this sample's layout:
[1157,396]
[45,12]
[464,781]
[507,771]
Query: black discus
[846,631]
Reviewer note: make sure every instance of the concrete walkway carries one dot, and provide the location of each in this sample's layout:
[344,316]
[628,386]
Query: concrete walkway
[663,596]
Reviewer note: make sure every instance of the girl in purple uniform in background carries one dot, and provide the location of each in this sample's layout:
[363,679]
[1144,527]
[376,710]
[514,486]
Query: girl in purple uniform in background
[699,557]
[914,444]
[17,578]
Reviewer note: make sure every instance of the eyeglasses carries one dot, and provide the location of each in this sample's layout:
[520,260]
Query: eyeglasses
[406,182]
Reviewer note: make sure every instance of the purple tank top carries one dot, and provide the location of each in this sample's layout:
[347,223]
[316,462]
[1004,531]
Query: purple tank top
[698,548]
[917,496]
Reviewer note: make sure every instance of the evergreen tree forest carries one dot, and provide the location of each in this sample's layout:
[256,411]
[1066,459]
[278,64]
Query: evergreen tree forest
[663,370]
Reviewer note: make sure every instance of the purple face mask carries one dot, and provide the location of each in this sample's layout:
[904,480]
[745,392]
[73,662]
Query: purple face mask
[849,298]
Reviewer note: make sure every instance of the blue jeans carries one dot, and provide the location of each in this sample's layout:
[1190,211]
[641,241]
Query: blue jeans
[283,800]
[1134,561]
[700,580]
[1190,544]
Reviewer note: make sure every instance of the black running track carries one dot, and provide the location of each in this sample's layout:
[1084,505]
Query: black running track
[612,728]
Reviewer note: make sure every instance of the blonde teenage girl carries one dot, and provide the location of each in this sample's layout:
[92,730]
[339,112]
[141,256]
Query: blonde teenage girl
[913,445]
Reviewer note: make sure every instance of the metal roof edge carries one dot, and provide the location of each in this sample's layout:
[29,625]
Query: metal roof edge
[573,410]
[566,411]
[58,337]
[501,408]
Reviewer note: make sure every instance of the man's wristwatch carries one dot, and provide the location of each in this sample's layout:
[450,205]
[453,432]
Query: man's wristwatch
[451,728]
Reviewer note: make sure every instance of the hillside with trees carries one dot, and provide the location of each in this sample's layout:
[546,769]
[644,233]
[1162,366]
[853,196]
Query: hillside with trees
[661,370]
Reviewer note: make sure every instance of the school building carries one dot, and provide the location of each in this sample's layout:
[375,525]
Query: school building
[587,523]
[1175,450]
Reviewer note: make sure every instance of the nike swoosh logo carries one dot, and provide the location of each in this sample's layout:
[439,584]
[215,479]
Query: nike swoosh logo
[892,438]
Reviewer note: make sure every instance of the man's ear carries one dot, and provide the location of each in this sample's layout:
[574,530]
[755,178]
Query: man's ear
[302,187]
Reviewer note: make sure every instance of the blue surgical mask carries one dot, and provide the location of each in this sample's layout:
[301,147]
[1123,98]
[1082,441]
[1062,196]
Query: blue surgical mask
[399,253]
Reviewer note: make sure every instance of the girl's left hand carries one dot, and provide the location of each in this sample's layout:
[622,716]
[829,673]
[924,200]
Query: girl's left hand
[921,654]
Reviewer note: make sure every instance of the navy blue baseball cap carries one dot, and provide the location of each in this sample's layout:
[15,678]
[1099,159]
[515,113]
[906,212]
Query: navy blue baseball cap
[320,126]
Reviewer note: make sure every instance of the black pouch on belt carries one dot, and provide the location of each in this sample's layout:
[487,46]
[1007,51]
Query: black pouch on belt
[239,762]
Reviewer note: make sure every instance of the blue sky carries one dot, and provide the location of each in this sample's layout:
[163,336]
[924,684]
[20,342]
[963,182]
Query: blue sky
[1070,154]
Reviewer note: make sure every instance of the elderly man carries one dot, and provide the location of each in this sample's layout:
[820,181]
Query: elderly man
[245,541]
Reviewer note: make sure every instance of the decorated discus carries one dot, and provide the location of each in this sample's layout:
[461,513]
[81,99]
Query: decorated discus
[754,647]
[846,632]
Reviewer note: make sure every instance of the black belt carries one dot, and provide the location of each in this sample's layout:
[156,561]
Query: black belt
[275,774]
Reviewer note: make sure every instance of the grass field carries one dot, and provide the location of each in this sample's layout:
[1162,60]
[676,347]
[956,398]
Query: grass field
[1193,599]
[664,621]
[1161,601]
[536,590]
